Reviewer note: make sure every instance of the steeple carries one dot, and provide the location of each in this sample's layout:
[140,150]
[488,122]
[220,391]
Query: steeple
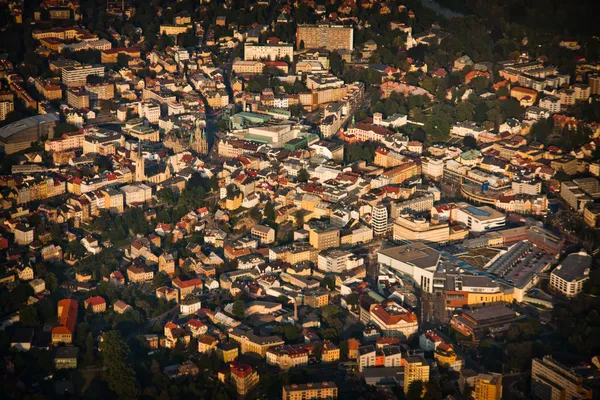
[140,173]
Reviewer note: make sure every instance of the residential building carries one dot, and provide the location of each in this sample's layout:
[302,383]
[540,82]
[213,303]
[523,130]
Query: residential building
[255,51]
[74,76]
[251,343]
[66,357]
[313,390]
[552,380]
[380,220]
[243,377]
[487,387]
[415,369]
[286,356]
[96,304]
[330,37]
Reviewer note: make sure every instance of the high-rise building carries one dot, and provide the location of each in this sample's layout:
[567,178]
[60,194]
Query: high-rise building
[551,380]
[77,75]
[380,220]
[331,37]
[416,369]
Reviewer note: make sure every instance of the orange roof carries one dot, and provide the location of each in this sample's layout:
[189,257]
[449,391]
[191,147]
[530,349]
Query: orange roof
[94,301]
[67,316]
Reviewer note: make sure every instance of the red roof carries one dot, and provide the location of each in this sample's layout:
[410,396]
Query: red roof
[94,301]
[186,284]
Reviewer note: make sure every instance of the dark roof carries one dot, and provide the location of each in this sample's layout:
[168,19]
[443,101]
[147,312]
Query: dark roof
[573,267]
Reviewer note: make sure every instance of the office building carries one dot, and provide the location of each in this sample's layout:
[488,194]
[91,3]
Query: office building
[18,135]
[417,262]
[481,321]
[77,75]
[480,219]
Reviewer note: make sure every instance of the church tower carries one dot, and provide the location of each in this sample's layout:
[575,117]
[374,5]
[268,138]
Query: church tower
[140,173]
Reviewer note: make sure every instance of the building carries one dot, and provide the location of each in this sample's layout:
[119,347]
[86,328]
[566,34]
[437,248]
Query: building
[307,391]
[189,305]
[487,387]
[380,220]
[286,356]
[387,356]
[66,357]
[96,304]
[415,369]
[568,278]
[480,219]
[414,229]
[67,318]
[272,52]
[265,234]
[481,321]
[251,343]
[324,237]
[243,377]
[137,193]
[19,135]
[73,76]
[78,98]
[551,380]
[330,37]
[23,234]
[394,320]
[416,261]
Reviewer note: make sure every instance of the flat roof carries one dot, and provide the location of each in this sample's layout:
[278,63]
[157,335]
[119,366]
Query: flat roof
[417,254]
[573,267]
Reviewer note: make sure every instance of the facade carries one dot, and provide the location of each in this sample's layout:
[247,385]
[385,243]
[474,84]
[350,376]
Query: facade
[394,320]
[286,357]
[568,278]
[415,369]
[74,76]
[380,220]
[487,387]
[416,261]
[306,391]
[330,37]
[479,322]
[255,51]
[251,343]
[243,377]
[551,380]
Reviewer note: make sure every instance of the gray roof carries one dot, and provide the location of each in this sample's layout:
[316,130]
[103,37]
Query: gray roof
[17,126]
[574,267]
[418,254]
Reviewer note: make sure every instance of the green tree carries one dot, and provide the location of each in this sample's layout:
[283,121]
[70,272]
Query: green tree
[303,175]
[415,390]
[89,349]
[29,317]
[238,309]
[269,212]
[166,195]
[119,375]
[51,282]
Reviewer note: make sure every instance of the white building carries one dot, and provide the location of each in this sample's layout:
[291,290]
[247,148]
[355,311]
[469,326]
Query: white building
[136,193]
[338,261]
[550,103]
[415,261]
[480,219]
[189,305]
[255,51]
[569,276]
[380,220]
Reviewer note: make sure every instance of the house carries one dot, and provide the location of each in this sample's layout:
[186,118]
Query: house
[206,343]
[97,304]
[187,287]
[189,305]
[120,307]
[25,272]
[66,357]
[196,327]
[138,274]
[38,285]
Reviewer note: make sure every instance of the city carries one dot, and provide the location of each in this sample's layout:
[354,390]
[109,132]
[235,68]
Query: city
[299,199]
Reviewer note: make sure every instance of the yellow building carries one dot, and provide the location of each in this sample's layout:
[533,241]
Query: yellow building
[318,390]
[233,201]
[330,352]
[415,369]
[322,239]
[243,377]
[174,29]
[228,352]
[488,387]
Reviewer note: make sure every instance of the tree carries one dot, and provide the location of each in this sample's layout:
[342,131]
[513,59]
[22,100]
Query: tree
[470,141]
[269,212]
[303,175]
[239,308]
[328,282]
[123,60]
[166,195]
[51,282]
[119,374]
[76,249]
[89,352]
[29,317]
[415,390]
